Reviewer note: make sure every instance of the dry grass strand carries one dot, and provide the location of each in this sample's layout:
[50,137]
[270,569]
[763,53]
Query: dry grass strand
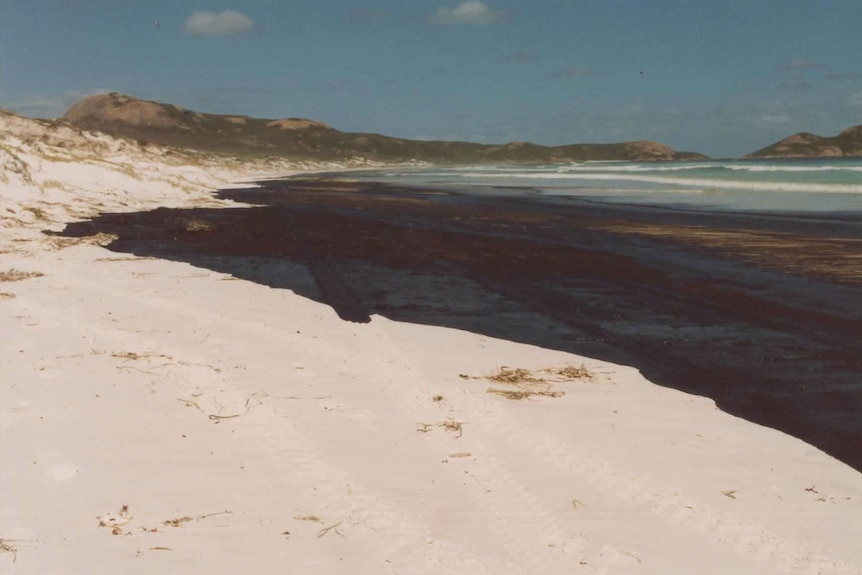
[449,425]
[186,519]
[5,547]
[525,384]
[326,530]
[519,394]
[14,275]
[513,375]
[571,372]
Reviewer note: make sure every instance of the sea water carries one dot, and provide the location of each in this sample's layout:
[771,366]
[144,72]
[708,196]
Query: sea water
[774,185]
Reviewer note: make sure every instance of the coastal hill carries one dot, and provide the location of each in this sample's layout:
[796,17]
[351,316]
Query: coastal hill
[297,138]
[804,145]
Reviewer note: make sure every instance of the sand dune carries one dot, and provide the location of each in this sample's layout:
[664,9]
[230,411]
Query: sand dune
[157,417]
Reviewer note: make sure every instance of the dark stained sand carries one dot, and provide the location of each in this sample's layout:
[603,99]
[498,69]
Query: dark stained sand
[762,313]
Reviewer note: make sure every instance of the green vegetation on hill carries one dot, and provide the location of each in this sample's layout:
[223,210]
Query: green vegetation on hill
[300,139]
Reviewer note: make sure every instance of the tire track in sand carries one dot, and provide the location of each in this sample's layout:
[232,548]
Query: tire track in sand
[517,524]
[371,524]
[667,504]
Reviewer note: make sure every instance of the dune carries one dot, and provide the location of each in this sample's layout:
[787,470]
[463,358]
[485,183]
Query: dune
[156,417]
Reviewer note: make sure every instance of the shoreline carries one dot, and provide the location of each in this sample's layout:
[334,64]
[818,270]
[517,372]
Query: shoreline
[724,305]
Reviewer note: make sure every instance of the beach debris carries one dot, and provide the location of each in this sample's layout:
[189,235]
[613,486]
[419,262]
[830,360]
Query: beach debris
[176,522]
[132,355]
[190,403]
[161,549]
[523,383]
[333,527]
[179,521]
[121,259]
[99,239]
[822,498]
[189,224]
[731,493]
[526,384]
[437,398]
[5,547]
[571,372]
[513,376]
[216,418]
[449,425]
[197,225]
[116,521]
[314,518]
[517,375]
[518,394]
[576,503]
[460,454]
[14,275]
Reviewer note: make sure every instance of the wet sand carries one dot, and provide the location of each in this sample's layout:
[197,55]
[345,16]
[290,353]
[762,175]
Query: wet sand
[761,313]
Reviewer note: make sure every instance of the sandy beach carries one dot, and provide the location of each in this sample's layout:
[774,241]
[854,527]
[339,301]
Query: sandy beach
[172,402]
[742,308]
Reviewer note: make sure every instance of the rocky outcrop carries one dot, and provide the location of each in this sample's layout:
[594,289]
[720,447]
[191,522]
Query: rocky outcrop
[295,124]
[106,108]
[117,113]
[298,138]
[805,145]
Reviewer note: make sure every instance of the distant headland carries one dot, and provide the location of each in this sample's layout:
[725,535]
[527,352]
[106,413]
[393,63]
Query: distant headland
[297,138]
[804,145]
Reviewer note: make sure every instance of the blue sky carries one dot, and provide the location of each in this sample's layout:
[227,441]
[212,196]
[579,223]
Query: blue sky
[718,77]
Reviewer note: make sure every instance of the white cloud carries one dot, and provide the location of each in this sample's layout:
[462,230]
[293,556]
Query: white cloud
[217,23]
[469,12]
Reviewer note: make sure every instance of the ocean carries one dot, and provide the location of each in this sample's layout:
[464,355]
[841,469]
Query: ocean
[774,185]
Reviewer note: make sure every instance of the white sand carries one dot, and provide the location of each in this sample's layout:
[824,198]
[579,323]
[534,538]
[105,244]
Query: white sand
[284,440]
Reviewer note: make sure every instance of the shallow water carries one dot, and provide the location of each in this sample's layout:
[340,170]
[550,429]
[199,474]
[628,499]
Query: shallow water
[787,185]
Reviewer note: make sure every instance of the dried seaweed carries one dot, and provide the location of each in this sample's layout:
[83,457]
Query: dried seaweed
[5,547]
[518,394]
[449,425]
[524,383]
[14,275]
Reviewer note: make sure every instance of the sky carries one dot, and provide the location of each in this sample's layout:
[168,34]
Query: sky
[720,77]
